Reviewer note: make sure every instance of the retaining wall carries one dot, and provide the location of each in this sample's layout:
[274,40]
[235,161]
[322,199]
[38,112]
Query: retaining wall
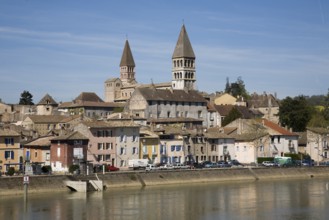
[51,183]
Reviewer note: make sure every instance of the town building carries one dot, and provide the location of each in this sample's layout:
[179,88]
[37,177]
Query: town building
[113,142]
[11,153]
[67,150]
[318,144]
[90,105]
[46,105]
[267,104]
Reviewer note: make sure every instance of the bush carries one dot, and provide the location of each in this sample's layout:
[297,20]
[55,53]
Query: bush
[46,169]
[11,171]
[73,168]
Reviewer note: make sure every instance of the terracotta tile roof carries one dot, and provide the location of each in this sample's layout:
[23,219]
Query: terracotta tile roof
[40,119]
[47,100]
[42,141]
[248,136]
[90,104]
[8,132]
[88,97]
[152,94]
[262,101]
[318,130]
[224,110]
[71,136]
[277,128]
[110,124]
[173,120]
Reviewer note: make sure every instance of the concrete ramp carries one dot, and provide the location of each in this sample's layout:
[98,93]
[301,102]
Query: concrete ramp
[78,186]
[97,184]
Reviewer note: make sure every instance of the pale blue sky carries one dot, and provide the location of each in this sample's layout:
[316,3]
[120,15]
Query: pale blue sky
[64,48]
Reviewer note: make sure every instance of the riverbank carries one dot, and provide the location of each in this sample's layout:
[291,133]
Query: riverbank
[53,183]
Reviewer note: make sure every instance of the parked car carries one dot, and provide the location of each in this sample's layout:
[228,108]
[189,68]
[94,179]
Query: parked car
[268,164]
[166,167]
[180,166]
[223,164]
[235,163]
[112,168]
[151,167]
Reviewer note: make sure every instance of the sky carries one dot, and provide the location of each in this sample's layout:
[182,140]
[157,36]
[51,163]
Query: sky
[63,48]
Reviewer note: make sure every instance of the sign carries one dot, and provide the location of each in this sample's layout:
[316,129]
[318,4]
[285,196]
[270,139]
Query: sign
[26,180]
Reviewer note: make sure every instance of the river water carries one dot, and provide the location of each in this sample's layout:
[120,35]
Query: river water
[288,199]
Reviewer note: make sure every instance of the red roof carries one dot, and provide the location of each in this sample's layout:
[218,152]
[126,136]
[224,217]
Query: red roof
[277,128]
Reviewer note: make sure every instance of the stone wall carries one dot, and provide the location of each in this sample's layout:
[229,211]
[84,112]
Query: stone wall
[14,185]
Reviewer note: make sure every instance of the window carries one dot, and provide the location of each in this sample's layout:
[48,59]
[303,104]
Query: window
[122,163]
[199,114]
[153,149]
[202,150]
[278,139]
[47,156]
[135,151]
[58,152]
[225,150]
[121,150]
[9,155]
[100,146]
[144,149]
[108,157]
[9,141]
[178,148]
[213,148]
[35,154]
[109,146]
[172,147]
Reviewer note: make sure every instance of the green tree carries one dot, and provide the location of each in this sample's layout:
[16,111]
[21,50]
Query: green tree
[232,115]
[325,111]
[237,88]
[26,98]
[295,113]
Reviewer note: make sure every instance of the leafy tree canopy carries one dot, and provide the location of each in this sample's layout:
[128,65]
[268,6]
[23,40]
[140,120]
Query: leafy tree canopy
[237,88]
[295,113]
[26,98]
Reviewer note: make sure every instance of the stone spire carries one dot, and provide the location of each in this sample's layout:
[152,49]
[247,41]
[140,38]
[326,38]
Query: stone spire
[127,66]
[183,47]
[183,63]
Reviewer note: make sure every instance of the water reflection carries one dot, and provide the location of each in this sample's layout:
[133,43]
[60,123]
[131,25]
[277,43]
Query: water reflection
[293,199]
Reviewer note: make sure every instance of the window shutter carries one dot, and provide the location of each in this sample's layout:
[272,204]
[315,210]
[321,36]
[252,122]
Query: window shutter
[12,154]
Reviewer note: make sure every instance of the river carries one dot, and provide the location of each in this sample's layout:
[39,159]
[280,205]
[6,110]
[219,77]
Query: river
[288,199]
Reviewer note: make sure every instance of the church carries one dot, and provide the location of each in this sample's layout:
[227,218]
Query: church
[176,102]
[183,72]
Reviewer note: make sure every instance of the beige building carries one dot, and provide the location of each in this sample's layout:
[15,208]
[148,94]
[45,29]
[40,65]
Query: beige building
[11,154]
[46,105]
[267,104]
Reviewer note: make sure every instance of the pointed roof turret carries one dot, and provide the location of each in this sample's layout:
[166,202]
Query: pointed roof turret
[183,47]
[47,100]
[127,57]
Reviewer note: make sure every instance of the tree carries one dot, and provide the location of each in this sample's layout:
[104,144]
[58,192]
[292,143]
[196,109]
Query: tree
[295,113]
[26,98]
[232,115]
[237,88]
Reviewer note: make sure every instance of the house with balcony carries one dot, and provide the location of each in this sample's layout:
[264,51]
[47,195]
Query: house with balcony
[11,153]
[317,145]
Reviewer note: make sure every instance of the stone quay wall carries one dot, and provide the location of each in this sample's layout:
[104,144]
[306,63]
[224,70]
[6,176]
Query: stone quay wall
[53,183]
